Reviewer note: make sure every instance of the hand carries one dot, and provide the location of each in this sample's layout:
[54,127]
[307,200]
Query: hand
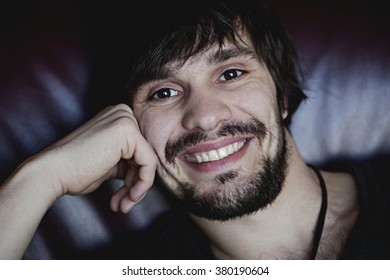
[108,146]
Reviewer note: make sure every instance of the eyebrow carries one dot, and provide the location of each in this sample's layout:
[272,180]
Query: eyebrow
[223,55]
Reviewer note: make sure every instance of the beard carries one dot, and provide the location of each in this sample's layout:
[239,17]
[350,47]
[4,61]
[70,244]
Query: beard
[232,199]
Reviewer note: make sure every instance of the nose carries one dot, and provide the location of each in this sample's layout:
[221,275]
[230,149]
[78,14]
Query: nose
[205,111]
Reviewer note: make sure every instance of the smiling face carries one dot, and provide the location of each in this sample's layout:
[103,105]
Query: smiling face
[216,127]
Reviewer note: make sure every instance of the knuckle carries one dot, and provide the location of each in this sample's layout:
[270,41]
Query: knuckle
[126,123]
[123,107]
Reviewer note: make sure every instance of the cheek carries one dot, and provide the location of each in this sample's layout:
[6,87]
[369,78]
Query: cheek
[156,130]
[257,105]
[257,98]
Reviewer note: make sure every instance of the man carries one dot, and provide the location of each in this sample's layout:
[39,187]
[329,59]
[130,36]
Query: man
[212,91]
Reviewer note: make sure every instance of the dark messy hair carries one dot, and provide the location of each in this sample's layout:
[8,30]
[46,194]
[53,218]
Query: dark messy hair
[176,30]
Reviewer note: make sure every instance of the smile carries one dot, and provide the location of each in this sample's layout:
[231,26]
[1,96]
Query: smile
[215,155]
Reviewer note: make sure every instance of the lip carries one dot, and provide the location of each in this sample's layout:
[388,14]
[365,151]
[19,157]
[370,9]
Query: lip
[216,165]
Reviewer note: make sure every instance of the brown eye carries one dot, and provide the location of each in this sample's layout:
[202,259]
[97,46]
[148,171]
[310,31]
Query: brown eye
[164,94]
[231,74]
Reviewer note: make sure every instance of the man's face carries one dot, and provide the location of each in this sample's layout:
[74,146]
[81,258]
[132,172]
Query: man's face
[216,128]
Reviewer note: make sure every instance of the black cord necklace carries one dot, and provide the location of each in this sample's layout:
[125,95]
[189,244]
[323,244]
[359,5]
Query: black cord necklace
[321,215]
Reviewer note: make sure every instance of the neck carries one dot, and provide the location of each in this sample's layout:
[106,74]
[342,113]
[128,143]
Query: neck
[283,230]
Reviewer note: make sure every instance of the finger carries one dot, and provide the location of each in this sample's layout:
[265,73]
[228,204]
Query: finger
[117,197]
[126,204]
[129,179]
[132,192]
[143,183]
[127,198]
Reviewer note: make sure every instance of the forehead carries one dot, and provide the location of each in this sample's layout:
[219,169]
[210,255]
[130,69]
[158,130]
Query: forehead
[217,54]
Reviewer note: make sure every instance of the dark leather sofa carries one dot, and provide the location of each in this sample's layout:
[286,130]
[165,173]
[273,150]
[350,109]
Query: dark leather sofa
[60,65]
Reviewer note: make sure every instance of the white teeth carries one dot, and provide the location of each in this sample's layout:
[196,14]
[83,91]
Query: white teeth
[222,153]
[198,158]
[215,155]
[205,157]
[230,149]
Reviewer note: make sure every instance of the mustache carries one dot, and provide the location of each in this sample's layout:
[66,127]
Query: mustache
[253,127]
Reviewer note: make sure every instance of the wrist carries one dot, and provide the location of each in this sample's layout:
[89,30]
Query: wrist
[33,180]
